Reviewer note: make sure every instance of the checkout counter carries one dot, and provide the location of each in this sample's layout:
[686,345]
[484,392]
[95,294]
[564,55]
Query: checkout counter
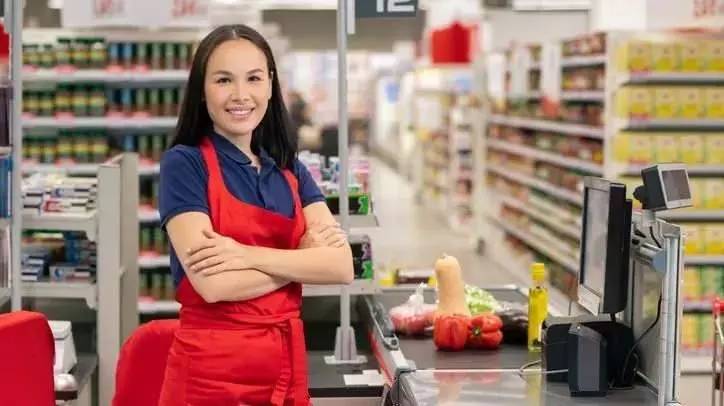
[415,373]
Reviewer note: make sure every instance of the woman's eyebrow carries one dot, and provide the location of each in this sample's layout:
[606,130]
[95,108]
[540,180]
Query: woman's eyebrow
[223,72]
[257,70]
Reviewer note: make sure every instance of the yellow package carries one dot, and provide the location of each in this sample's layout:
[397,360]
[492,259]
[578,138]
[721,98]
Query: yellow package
[694,243]
[667,148]
[635,102]
[641,149]
[665,57]
[693,55]
[714,237]
[666,104]
[634,56]
[621,147]
[691,102]
[714,190]
[689,331]
[698,193]
[691,283]
[714,102]
[714,149]
[714,55]
[692,149]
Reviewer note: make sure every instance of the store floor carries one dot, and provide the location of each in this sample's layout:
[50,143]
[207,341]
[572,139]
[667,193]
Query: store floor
[411,235]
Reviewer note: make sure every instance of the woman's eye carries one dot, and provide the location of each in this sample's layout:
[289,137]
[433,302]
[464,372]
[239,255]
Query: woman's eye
[254,78]
[223,80]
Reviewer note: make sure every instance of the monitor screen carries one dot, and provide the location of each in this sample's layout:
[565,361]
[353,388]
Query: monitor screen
[594,266]
[676,185]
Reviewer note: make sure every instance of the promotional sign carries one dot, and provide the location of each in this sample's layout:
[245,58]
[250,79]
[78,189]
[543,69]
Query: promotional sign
[184,13]
[135,13]
[385,8]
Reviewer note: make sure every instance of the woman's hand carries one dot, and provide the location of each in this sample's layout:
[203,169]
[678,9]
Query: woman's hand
[217,254]
[323,235]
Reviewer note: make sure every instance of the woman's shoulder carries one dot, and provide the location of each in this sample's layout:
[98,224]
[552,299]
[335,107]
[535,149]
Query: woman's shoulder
[183,157]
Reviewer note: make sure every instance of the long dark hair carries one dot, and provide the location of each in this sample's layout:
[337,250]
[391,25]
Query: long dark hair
[194,122]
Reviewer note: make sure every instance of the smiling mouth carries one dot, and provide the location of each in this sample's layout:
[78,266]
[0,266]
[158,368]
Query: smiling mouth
[240,112]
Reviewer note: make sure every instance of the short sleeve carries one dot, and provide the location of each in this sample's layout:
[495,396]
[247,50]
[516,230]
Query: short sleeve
[308,190]
[183,183]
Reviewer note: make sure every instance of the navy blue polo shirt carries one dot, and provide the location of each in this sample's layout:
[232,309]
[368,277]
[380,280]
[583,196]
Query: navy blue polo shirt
[184,182]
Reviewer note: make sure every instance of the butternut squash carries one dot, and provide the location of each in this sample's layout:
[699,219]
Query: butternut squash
[450,287]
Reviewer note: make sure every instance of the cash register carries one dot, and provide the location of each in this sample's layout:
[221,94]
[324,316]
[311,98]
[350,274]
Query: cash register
[597,352]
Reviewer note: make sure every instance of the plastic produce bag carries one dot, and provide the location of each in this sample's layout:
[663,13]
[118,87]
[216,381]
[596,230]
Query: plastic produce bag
[515,322]
[414,316]
[479,301]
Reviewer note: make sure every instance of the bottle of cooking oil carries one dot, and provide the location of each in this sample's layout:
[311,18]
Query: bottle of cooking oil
[537,306]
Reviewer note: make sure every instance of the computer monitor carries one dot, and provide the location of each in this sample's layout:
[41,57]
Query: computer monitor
[605,242]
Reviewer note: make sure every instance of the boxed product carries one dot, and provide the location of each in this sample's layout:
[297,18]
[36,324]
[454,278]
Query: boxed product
[635,102]
[692,283]
[691,102]
[692,149]
[693,55]
[641,149]
[694,243]
[714,102]
[635,56]
[666,104]
[665,57]
[715,55]
[698,192]
[714,194]
[667,148]
[710,282]
[714,238]
[706,330]
[714,149]
[690,332]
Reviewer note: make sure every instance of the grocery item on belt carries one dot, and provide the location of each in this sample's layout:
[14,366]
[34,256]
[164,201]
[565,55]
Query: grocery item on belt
[451,332]
[451,288]
[479,301]
[414,316]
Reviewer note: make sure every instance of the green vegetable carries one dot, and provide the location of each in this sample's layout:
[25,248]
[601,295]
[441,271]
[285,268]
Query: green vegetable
[480,301]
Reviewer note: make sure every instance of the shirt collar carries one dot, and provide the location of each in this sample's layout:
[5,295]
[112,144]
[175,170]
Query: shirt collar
[233,152]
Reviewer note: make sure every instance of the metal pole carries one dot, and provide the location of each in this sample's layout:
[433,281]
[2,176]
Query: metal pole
[15,15]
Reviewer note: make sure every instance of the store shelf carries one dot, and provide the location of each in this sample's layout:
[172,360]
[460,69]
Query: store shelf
[146,215]
[84,169]
[574,61]
[548,125]
[590,96]
[61,290]
[692,215]
[357,287]
[696,364]
[158,307]
[5,150]
[552,222]
[155,261]
[714,170]
[697,306]
[671,77]
[541,185]
[528,96]
[361,220]
[544,156]
[100,122]
[536,243]
[670,124]
[704,259]
[104,76]
[85,222]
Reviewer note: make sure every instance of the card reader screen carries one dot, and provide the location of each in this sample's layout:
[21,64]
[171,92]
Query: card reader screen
[676,184]
[596,242]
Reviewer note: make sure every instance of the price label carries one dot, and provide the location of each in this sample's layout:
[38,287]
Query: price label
[186,13]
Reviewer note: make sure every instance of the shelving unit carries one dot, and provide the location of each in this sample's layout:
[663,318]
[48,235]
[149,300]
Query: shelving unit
[114,292]
[547,125]
[154,262]
[541,185]
[545,156]
[120,123]
[104,76]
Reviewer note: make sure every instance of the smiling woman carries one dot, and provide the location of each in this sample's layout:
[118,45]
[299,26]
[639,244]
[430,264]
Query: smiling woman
[248,226]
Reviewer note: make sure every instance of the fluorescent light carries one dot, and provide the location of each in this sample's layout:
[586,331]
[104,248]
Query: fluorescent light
[531,5]
[56,4]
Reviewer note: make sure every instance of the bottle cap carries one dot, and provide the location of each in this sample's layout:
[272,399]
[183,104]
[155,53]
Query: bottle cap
[538,272]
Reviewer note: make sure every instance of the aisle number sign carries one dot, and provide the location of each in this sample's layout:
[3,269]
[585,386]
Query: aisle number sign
[135,13]
[385,8]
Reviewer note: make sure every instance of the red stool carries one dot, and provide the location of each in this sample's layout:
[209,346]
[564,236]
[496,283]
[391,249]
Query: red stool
[27,351]
[142,364]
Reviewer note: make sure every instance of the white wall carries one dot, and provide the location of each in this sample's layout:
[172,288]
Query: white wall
[534,27]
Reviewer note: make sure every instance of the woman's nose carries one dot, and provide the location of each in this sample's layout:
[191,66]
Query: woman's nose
[240,92]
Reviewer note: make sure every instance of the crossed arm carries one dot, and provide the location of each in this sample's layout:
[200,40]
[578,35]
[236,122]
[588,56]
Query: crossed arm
[221,269]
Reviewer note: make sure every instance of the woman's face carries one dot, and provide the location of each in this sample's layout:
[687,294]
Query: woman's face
[237,87]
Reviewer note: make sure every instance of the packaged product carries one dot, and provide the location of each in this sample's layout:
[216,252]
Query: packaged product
[714,55]
[698,192]
[692,283]
[635,56]
[714,194]
[714,148]
[694,241]
[666,104]
[690,331]
[691,101]
[635,102]
[665,56]
[667,148]
[692,149]
[693,55]
[414,316]
[714,237]
[706,330]
[710,282]
[641,149]
[714,102]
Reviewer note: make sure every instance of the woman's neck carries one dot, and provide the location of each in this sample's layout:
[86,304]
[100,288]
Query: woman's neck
[243,142]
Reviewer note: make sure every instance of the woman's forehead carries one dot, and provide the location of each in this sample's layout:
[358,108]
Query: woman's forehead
[237,55]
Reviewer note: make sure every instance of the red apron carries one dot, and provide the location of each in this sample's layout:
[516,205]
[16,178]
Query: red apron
[248,352]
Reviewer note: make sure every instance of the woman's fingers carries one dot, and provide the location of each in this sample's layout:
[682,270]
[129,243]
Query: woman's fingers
[201,246]
[206,263]
[201,256]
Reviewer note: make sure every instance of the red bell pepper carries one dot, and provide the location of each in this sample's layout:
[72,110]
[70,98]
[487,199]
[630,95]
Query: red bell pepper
[485,332]
[451,332]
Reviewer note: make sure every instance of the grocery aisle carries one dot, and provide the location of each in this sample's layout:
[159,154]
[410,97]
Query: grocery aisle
[413,236]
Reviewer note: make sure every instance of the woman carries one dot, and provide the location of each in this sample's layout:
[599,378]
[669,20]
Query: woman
[248,226]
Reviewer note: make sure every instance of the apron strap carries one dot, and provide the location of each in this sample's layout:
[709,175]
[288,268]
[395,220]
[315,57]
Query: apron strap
[293,377]
[294,186]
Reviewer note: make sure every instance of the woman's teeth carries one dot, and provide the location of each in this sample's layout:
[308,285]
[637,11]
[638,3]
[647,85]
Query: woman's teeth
[240,112]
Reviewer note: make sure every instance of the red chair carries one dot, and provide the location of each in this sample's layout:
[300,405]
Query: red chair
[27,351]
[142,364]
